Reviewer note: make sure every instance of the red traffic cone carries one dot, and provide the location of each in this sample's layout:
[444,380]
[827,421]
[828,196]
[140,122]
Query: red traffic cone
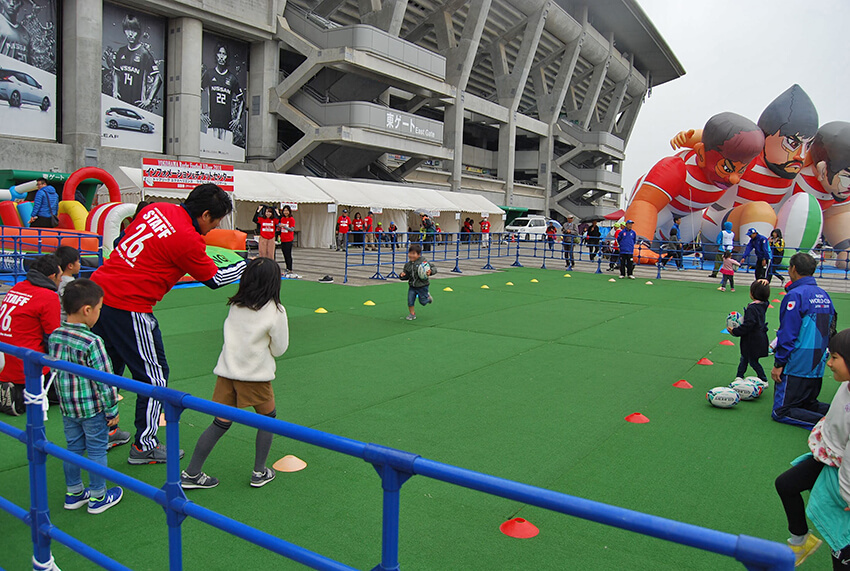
[705,361]
[637,418]
[727,342]
[519,528]
[683,384]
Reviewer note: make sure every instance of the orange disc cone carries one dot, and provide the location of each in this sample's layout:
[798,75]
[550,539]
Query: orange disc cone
[637,418]
[289,463]
[683,384]
[519,528]
[705,361]
[120,398]
[727,342]
[782,293]
[775,300]
[769,306]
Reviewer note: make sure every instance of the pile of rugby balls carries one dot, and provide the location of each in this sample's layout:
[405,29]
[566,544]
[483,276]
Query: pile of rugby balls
[740,389]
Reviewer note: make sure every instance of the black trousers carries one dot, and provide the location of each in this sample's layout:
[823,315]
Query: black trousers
[42,222]
[752,362]
[795,401]
[592,249]
[286,249]
[790,486]
[626,264]
[568,252]
[761,271]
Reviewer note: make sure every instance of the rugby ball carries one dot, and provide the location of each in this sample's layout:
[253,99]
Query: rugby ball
[759,382]
[722,397]
[746,389]
[422,270]
[734,320]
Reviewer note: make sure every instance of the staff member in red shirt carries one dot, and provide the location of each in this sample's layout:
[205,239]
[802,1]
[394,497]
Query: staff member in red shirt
[357,230]
[162,244]
[370,237]
[268,229]
[485,231]
[287,235]
[28,315]
[343,225]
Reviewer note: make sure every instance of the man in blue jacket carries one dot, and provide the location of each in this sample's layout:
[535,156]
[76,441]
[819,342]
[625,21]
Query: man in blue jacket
[807,320]
[627,239]
[759,245]
[45,206]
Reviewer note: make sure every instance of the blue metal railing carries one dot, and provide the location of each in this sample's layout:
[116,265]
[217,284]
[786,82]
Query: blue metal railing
[389,250]
[17,245]
[394,467]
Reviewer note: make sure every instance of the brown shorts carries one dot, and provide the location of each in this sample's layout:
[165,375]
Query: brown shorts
[242,394]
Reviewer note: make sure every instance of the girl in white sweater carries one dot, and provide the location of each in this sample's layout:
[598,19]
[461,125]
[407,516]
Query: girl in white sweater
[829,440]
[255,332]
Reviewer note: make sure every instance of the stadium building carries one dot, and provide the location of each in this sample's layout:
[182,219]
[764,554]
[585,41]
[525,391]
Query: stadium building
[527,102]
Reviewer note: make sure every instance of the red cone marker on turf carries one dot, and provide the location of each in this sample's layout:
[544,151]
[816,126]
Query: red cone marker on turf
[705,361]
[727,342]
[519,528]
[637,418]
[683,384]
[775,300]
[769,306]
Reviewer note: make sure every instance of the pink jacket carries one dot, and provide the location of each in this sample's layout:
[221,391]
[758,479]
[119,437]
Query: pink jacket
[729,266]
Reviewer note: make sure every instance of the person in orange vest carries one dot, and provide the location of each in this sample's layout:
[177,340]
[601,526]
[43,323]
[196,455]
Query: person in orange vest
[343,225]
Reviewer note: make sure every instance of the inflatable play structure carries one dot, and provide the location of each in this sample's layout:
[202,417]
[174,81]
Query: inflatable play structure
[784,172]
[93,231]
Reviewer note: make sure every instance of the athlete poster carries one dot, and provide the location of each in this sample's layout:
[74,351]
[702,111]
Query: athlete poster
[133,72]
[224,90]
[28,68]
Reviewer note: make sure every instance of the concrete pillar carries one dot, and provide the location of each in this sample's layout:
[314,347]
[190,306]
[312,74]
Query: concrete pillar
[387,15]
[453,139]
[262,79]
[183,114]
[82,32]
[506,161]
[546,151]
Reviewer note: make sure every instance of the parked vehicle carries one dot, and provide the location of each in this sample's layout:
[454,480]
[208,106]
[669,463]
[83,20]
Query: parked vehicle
[19,88]
[123,118]
[528,227]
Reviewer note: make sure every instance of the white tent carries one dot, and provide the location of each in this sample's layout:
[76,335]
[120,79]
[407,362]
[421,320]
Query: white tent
[475,206]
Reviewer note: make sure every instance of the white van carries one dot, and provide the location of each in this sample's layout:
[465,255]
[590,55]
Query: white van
[532,227]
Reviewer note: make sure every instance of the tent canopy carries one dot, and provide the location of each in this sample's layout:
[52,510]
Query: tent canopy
[467,202]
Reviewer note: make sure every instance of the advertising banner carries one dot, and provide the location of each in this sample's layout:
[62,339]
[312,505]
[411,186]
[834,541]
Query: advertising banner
[183,175]
[224,89]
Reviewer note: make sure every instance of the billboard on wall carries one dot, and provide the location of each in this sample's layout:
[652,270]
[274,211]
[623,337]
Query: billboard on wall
[168,174]
[133,73]
[224,90]
[28,68]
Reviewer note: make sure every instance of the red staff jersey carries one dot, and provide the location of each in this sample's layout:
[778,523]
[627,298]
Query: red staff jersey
[28,314]
[368,224]
[287,235]
[159,247]
[343,223]
[807,181]
[684,183]
[357,224]
[267,227]
[485,226]
[760,184]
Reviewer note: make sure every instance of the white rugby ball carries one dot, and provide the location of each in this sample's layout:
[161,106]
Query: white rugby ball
[733,320]
[759,382]
[746,389]
[722,397]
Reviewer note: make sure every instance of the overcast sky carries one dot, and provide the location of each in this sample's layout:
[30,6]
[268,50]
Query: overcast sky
[738,56]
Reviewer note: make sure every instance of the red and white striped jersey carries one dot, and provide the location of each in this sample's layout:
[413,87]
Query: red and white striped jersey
[760,184]
[807,181]
[684,183]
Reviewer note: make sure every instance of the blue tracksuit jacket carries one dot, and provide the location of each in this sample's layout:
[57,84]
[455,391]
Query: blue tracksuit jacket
[806,320]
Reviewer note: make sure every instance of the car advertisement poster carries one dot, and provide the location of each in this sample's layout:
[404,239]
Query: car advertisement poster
[168,174]
[224,89]
[133,70]
[28,68]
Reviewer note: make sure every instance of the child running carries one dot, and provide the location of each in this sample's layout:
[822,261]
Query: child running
[753,330]
[828,441]
[418,284]
[255,333]
[727,271]
[88,407]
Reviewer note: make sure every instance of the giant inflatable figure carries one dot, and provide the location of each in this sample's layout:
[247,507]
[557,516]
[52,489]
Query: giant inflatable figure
[761,198]
[693,179]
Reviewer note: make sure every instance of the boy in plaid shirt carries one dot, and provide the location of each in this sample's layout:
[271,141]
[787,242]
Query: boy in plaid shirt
[88,407]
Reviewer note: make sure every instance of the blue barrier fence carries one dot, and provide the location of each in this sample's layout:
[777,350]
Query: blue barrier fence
[394,467]
[387,253]
[17,247]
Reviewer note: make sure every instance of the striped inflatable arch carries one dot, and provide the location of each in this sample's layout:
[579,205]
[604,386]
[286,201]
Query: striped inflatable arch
[106,220]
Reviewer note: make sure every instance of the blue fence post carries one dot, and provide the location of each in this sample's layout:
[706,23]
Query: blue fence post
[516,263]
[39,511]
[392,273]
[599,261]
[394,467]
[545,247]
[487,266]
[174,494]
[377,275]
[658,265]
[345,245]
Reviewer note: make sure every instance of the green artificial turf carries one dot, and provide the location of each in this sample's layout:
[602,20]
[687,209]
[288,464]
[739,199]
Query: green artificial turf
[530,382]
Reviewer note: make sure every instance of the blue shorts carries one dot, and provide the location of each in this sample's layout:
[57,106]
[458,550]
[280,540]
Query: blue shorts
[421,293]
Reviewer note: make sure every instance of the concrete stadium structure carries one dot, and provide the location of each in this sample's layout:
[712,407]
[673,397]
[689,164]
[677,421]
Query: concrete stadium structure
[528,102]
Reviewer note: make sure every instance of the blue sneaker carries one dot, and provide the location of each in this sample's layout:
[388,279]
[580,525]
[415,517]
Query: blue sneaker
[76,501]
[109,499]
